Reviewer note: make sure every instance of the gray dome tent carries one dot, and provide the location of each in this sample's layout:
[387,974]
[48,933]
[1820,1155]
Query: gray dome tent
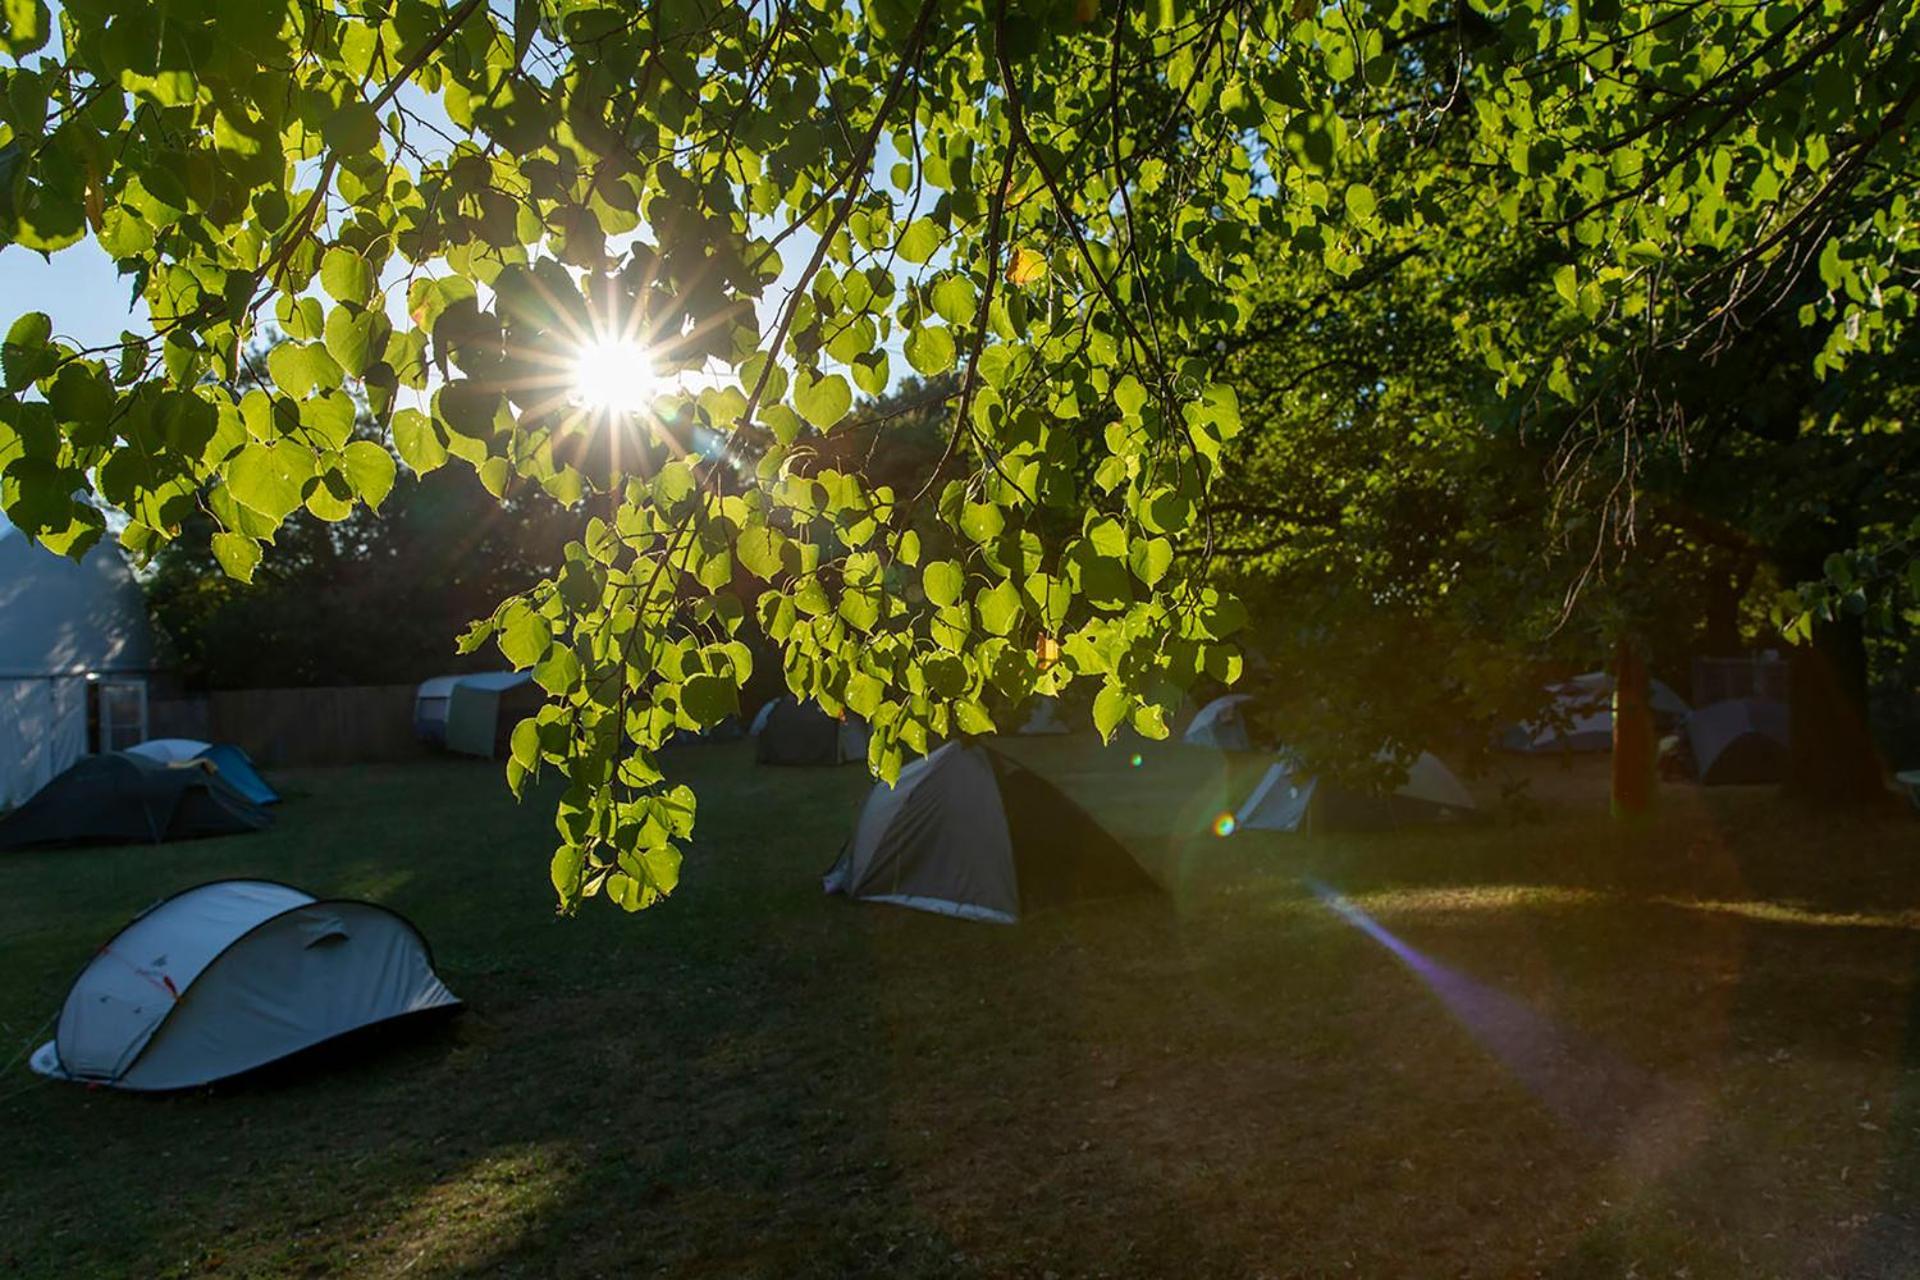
[1284,801]
[787,731]
[967,832]
[231,976]
[1741,740]
[122,798]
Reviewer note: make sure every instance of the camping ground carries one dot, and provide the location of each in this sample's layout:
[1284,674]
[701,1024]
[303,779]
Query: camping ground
[1544,1046]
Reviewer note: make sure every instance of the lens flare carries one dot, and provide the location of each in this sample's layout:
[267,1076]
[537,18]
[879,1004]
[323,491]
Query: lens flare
[615,376]
[1137,760]
[1224,825]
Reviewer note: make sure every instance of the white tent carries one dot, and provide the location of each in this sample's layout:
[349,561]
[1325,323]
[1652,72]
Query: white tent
[1285,802]
[231,976]
[430,708]
[70,634]
[473,714]
[764,714]
[967,832]
[1222,724]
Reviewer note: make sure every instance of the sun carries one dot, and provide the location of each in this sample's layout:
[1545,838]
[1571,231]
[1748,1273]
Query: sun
[616,377]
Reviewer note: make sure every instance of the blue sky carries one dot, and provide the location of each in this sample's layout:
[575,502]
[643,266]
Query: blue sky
[78,288]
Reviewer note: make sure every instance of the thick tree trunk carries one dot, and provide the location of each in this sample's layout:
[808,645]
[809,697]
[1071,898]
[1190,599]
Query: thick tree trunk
[1633,738]
[1832,757]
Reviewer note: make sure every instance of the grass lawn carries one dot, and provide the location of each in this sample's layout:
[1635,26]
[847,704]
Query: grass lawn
[1688,1049]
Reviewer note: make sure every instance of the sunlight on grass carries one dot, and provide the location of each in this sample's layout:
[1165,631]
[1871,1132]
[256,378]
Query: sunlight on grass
[478,1213]
[1786,913]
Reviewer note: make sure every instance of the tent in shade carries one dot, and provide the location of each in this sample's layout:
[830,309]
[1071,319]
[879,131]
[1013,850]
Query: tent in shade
[122,798]
[967,832]
[1284,801]
[1584,705]
[1044,718]
[231,976]
[788,731]
[1742,740]
[1594,690]
[232,763]
[1222,723]
[482,710]
[430,709]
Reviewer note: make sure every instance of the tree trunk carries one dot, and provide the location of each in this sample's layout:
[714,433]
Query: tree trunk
[1832,759]
[1725,590]
[1633,738]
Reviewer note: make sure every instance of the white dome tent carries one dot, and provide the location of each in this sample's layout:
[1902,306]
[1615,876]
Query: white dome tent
[69,634]
[1222,724]
[1284,801]
[233,975]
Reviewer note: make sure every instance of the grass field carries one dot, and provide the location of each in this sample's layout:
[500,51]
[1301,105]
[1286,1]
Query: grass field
[1687,1049]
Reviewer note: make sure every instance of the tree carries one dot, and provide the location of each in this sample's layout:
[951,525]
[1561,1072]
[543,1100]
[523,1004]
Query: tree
[373,599]
[1059,205]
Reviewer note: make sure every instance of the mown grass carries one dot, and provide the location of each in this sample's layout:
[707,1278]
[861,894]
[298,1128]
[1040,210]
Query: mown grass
[1689,1047]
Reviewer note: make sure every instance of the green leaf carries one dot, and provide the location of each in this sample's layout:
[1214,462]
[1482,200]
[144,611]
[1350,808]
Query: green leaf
[943,580]
[524,637]
[353,339]
[954,300]
[24,26]
[930,350]
[1109,709]
[370,470]
[921,241]
[238,555]
[524,744]
[568,872]
[260,480]
[418,441]
[709,699]
[351,129]
[347,276]
[1361,204]
[759,551]
[999,608]
[1150,558]
[822,401]
[24,356]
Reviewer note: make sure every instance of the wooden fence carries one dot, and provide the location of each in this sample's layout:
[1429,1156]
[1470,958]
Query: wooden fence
[356,724]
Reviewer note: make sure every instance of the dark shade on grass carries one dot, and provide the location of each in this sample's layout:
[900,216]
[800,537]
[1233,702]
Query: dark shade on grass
[1714,1016]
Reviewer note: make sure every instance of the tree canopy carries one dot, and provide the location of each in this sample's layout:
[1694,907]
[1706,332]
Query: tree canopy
[1068,208]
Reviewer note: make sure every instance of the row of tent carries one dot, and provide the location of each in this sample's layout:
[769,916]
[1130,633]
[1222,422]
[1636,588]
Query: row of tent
[1733,742]
[164,789]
